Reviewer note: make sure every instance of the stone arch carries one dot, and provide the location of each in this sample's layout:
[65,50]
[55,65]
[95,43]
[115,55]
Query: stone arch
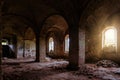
[56,26]
[21,18]
[17,25]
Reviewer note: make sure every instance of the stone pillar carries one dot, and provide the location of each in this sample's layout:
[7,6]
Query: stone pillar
[42,49]
[61,50]
[81,46]
[74,47]
[0,55]
[1,4]
[23,48]
[118,42]
[37,48]
[77,47]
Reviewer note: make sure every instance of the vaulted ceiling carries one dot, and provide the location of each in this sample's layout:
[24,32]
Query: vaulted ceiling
[22,14]
[34,12]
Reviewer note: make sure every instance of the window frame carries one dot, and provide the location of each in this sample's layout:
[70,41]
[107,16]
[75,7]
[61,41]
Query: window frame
[103,37]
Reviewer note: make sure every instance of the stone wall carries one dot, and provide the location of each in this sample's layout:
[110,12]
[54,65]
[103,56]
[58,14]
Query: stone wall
[20,47]
[96,18]
[93,47]
[94,50]
[29,48]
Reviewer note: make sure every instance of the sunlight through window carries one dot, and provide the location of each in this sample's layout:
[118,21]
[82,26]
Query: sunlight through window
[67,43]
[110,39]
[51,44]
[4,42]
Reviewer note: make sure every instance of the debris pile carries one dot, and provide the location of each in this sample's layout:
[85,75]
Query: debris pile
[85,70]
[107,63]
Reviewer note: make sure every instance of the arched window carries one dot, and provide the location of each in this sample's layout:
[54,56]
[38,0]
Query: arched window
[109,41]
[51,44]
[67,43]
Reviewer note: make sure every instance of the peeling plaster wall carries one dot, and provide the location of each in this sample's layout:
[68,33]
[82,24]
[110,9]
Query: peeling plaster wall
[20,47]
[30,48]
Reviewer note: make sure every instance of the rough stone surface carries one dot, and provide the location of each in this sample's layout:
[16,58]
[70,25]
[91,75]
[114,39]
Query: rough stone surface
[26,69]
[106,63]
[93,71]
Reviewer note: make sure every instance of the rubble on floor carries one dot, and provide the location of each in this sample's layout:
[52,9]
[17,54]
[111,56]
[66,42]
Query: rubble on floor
[56,70]
[106,63]
[99,72]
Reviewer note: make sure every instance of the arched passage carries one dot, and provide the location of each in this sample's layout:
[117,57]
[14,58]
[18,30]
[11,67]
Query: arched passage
[54,26]
[14,28]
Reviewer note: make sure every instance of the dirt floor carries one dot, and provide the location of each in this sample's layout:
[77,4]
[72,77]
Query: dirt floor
[27,69]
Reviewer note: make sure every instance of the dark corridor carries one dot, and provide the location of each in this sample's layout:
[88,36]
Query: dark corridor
[7,52]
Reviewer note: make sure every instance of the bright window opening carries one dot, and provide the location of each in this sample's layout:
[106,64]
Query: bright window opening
[67,43]
[51,44]
[110,39]
[4,42]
